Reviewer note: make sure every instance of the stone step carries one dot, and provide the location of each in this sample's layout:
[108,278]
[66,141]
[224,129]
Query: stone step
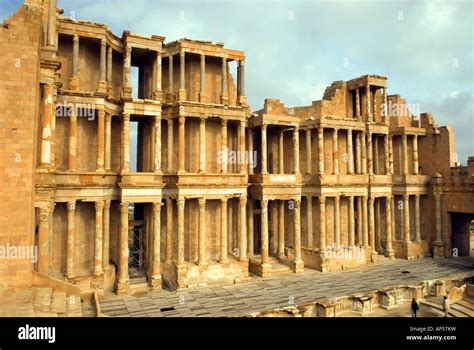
[73,306]
[42,299]
[58,303]
[466,303]
[464,310]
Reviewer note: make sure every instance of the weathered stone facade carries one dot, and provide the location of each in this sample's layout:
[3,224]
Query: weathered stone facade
[218,192]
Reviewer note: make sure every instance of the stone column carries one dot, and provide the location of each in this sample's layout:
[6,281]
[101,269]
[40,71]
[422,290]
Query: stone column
[417,219]
[250,228]
[390,154]
[358,155]
[387,154]
[126,143]
[52,23]
[370,163]
[74,80]
[44,256]
[367,100]
[99,220]
[405,154]
[181,203]
[181,145]
[100,140]
[364,152]
[109,70]
[359,221]
[394,216]
[371,224]
[71,233]
[243,166]
[350,153]
[202,82]
[378,230]
[243,228]
[170,145]
[415,154]
[321,150]
[281,167]
[357,103]
[335,152]
[182,79]
[351,221]
[264,233]
[102,87]
[202,144]
[223,253]
[169,229]
[264,149]
[296,151]
[439,239]
[127,68]
[308,152]
[225,94]
[72,155]
[297,233]
[388,227]
[309,215]
[224,150]
[322,223]
[281,229]
[202,232]
[406,218]
[337,221]
[108,140]
[158,93]
[170,75]
[250,158]
[157,146]
[46,125]
[156,267]
[123,245]
[365,231]
[376,154]
[106,234]
[241,84]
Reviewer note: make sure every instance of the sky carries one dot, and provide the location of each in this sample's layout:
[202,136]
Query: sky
[294,49]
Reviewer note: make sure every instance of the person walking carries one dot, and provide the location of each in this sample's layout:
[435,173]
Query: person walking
[414,307]
[446,306]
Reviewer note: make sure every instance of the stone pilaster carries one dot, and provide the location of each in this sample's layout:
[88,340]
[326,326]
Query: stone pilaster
[350,153]
[309,218]
[371,225]
[406,219]
[74,80]
[337,221]
[417,219]
[281,229]
[438,245]
[281,167]
[45,216]
[243,166]
[415,155]
[358,116]
[321,151]
[376,155]
[170,145]
[108,141]
[387,154]
[359,227]
[122,286]
[157,145]
[365,226]
[264,149]
[264,235]
[322,224]
[250,158]
[110,56]
[169,229]
[202,232]
[370,163]
[224,88]
[389,252]
[51,39]
[351,222]
[127,68]
[335,152]
[158,91]
[170,77]
[47,127]
[358,154]
[390,154]
[367,100]
[70,241]
[363,152]
[202,82]
[298,264]
[250,228]
[156,267]
[404,154]
[242,99]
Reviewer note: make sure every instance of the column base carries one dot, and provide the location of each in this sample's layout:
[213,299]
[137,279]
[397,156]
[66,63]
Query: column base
[373,256]
[127,93]
[297,266]
[390,253]
[110,90]
[158,95]
[224,99]
[264,270]
[438,249]
[123,288]
[155,282]
[102,87]
[181,95]
[74,83]
[97,282]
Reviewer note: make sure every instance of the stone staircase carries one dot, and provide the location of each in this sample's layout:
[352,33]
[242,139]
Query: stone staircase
[38,302]
[461,308]
[277,267]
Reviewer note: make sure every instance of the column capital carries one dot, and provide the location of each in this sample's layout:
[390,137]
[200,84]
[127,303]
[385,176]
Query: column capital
[103,42]
[110,50]
[108,117]
[126,117]
[75,37]
[157,205]
[107,204]
[264,126]
[202,203]
[128,49]
[223,122]
[99,205]
[71,205]
[243,200]
[224,200]
[124,208]
[181,200]
[181,119]
[264,203]
[322,198]
[297,202]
